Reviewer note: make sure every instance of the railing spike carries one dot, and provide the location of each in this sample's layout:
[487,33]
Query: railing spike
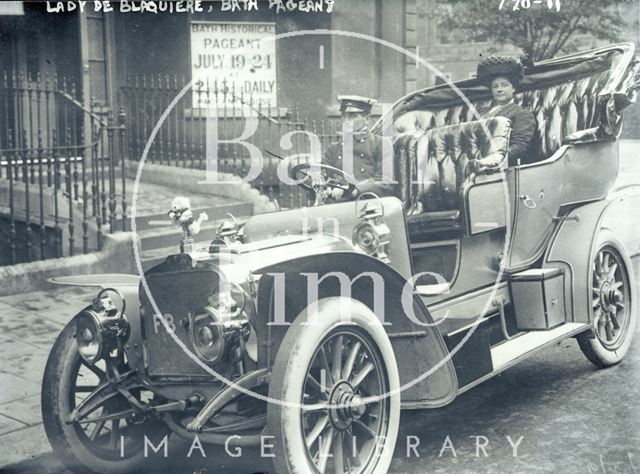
[10,168]
[122,120]
[43,234]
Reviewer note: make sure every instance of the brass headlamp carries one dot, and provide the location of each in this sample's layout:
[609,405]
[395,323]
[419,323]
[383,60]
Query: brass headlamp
[371,234]
[101,327]
[211,328]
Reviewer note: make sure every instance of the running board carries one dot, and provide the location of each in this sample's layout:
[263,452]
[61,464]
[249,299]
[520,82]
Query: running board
[509,351]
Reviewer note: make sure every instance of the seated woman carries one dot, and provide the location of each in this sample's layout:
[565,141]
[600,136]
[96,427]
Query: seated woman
[502,74]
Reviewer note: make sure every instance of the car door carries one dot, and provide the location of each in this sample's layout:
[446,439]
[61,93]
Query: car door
[536,196]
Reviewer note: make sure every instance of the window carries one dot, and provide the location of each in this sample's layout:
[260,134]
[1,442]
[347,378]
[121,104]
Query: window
[452,37]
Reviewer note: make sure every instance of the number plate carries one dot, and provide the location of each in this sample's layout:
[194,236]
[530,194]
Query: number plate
[164,355]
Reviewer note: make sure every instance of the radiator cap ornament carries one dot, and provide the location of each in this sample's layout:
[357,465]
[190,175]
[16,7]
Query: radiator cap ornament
[182,216]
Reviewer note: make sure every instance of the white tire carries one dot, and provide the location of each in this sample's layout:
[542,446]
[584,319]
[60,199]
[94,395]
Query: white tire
[344,376]
[614,308]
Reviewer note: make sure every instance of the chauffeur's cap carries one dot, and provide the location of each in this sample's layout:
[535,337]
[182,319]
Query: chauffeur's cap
[355,103]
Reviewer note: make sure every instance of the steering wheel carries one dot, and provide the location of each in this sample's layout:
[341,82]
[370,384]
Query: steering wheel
[317,178]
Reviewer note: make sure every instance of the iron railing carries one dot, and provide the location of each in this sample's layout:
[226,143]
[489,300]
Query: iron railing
[180,112]
[59,185]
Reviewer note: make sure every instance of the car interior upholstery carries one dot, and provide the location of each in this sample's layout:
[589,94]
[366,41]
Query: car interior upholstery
[433,165]
[440,133]
[560,109]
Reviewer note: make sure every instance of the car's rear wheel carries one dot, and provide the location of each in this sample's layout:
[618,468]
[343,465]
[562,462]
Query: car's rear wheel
[337,385]
[104,441]
[613,305]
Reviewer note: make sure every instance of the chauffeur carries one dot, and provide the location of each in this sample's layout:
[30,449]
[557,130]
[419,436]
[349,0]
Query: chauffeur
[368,149]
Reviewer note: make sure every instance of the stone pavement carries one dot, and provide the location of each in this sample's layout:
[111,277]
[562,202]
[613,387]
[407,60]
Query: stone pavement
[154,199]
[29,324]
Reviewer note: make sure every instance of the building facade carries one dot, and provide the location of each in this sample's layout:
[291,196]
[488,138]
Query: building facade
[101,54]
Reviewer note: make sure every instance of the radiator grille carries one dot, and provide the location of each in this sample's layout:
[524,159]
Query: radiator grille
[178,288]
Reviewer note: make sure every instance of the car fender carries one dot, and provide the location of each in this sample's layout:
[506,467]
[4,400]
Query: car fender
[573,245]
[285,291]
[127,285]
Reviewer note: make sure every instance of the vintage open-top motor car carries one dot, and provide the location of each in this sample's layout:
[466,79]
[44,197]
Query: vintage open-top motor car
[314,327]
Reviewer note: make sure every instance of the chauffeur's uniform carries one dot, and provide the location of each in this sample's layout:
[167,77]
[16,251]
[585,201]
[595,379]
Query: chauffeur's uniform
[367,162]
[367,158]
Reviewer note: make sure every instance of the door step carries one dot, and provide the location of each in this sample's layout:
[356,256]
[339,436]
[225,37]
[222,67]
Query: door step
[509,351]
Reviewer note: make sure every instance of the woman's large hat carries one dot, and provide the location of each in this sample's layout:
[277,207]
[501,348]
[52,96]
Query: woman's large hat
[494,66]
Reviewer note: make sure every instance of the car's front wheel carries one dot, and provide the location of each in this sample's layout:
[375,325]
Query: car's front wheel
[613,305]
[335,385]
[109,439]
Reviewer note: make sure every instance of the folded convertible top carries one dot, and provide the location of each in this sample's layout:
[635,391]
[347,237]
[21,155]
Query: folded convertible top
[541,75]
